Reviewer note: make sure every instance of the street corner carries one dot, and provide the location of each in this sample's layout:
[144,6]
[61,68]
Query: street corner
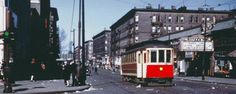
[51,90]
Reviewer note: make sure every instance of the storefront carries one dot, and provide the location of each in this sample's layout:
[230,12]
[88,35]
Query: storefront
[225,50]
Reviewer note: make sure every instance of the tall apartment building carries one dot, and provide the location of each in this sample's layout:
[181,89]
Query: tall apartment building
[101,47]
[2,27]
[144,24]
[89,51]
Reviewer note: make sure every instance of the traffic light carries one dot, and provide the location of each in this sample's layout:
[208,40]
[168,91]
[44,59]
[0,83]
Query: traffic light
[8,37]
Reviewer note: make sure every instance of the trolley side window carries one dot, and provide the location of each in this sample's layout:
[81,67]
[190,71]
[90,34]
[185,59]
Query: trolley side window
[168,56]
[139,58]
[161,56]
[153,56]
[145,58]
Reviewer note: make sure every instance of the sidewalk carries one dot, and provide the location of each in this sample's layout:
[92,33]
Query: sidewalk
[208,79]
[47,86]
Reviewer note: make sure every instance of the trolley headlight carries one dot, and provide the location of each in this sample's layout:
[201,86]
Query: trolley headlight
[161,68]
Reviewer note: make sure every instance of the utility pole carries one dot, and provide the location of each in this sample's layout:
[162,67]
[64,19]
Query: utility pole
[74,82]
[204,44]
[8,40]
[204,48]
[79,31]
[83,70]
[6,69]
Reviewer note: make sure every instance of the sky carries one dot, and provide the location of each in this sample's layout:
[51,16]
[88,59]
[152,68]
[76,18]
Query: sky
[101,14]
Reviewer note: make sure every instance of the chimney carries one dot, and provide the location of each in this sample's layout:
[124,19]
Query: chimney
[200,9]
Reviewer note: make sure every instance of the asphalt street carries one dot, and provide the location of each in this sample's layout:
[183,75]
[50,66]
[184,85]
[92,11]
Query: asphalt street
[107,82]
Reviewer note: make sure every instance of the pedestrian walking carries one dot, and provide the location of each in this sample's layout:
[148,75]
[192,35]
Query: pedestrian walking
[96,69]
[74,72]
[66,73]
[35,68]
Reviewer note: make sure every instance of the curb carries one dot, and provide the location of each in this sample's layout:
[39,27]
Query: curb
[59,91]
[206,81]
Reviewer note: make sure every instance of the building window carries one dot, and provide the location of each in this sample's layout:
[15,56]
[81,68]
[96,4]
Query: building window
[154,19]
[208,19]
[164,27]
[169,28]
[105,48]
[182,19]
[203,19]
[106,42]
[181,28]
[136,27]
[136,39]
[136,18]
[214,19]
[196,19]
[177,19]
[158,30]
[159,18]
[153,29]
[191,19]
[177,28]
[169,19]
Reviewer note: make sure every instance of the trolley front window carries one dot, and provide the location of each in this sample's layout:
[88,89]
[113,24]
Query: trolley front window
[168,56]
[161,56]
[153,56]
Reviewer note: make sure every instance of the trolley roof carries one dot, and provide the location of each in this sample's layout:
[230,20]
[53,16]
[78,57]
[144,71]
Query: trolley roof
[148,44]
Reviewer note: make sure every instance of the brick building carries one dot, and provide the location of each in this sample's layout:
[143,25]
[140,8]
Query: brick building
[144,24]
[89,51]
[101,47]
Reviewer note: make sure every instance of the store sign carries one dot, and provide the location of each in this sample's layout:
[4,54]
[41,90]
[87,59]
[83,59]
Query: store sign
[188,54]
[196,46]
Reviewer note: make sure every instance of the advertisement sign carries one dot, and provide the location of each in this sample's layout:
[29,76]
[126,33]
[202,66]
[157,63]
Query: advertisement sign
[196,46]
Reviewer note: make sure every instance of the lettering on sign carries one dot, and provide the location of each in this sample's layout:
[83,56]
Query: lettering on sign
[196,46]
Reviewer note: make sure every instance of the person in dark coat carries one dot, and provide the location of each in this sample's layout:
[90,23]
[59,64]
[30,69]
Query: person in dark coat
[35,69]
[66,73]
[74,72]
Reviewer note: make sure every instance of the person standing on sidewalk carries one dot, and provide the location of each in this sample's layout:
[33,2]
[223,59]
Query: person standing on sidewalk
[66,73]
[35,68]
[74,72]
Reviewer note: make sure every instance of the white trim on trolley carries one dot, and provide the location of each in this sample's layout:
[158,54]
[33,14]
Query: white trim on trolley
[129,74]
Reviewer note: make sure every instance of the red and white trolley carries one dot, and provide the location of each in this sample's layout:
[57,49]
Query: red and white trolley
[149,61]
